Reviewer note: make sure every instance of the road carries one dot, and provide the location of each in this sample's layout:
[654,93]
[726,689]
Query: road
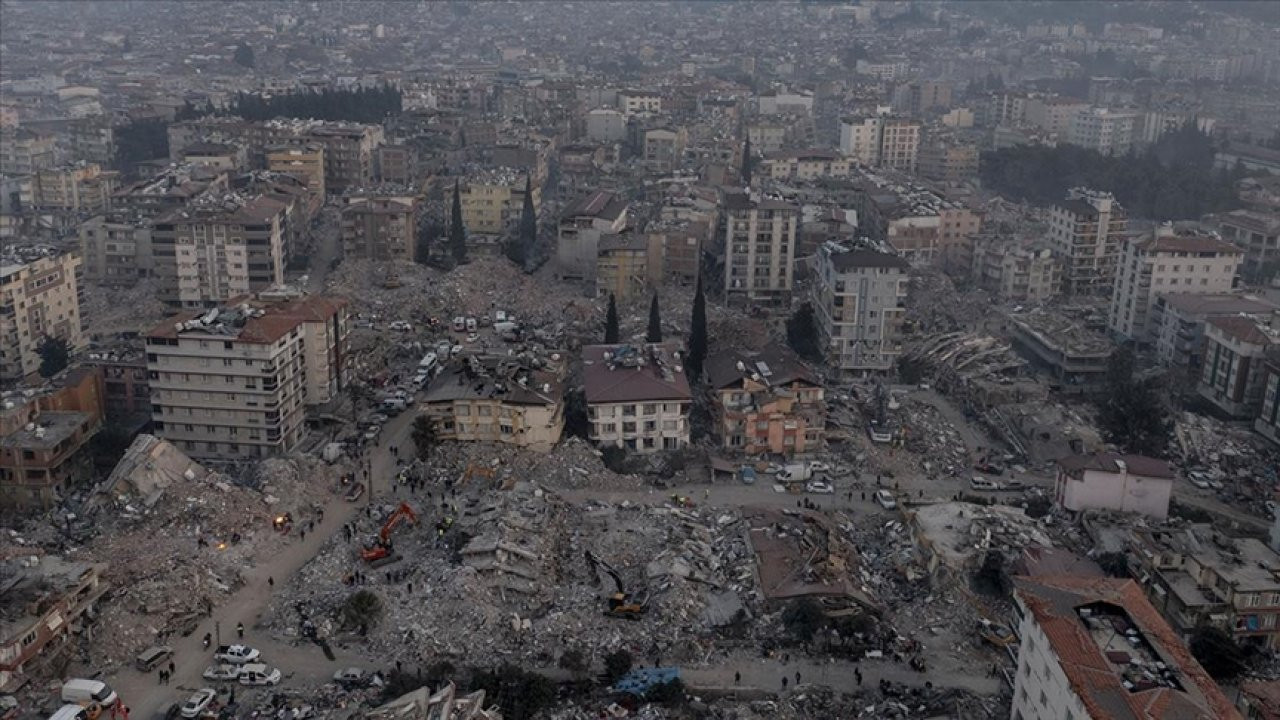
[141,691]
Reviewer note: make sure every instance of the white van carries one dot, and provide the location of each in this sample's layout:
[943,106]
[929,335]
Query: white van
[81,691]
[977,482]
[70,712]
[885,498]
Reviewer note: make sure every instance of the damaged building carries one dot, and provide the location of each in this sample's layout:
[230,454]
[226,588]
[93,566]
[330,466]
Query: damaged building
[41,602]
[496,398]
[766,401]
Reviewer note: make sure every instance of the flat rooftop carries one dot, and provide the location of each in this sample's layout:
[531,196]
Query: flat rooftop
[48,429]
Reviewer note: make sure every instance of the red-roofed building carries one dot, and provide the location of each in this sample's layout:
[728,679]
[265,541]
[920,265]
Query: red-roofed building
[638,396]
[1233,373]
[234,382]
[1094,648]
[1110,481]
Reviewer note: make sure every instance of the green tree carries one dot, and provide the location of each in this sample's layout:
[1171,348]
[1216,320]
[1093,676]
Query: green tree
[520,249]
[521,694]
[575,661]
[425,437]
[802,334]
[1218,653]
[746,162]
[55,355]
[1130,412]
[1114,564]
[611,322]
[243,56]
[362,609]
[617,664]
[803,618]
[457,233]
[668,693]
[697,354]
[654,335]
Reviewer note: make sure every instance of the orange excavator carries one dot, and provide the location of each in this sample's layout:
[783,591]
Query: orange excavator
[381,548]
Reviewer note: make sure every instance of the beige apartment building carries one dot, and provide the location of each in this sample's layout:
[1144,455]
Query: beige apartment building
[233,382]
[214,250]
[1085,231]
[638,397]
[859,299]
[116,249]
[39,296]
[492,202]
[1166,262]
[804,164]
[305,162]
[380,226]
[629,265]
[495,398]
[74,188]
[882,141]
[1258,235]
[760,248]
[25,152]
[1016,273]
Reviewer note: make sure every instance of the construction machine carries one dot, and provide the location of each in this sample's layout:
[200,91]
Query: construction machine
[381,547]
[621,604]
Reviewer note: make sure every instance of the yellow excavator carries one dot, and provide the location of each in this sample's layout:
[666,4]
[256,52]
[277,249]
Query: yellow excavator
[620,604]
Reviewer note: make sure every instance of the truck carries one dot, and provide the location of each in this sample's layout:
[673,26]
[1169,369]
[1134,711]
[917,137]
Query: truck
[795,472]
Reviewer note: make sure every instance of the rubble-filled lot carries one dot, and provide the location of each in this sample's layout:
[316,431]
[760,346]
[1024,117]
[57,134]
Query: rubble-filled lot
[111,310]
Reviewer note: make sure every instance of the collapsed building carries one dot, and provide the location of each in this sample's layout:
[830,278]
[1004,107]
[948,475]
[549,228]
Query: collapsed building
[766,401]
[41,602]
[443,704]
[497,398]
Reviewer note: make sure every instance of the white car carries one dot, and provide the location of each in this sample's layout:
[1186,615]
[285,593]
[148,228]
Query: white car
[885,498]
[236,654]
[221,672]
[198,702]
[817,466]
[820,487]
[401,326]
[259,674]
[352,676]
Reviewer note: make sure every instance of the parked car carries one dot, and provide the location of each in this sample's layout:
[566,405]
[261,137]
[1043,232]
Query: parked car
[817,466]
[885,498]
[198,702]
[259,674]
[977,482]
[223,672]
[350,677]
[401,326]
[236,654]
[820,487]
[459,324]
[1200,482]
[148,659]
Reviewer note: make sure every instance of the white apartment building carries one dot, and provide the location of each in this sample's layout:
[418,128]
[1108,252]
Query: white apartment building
[860,139]
[638,397]
[606,125]
[234,382]
[1094,648]
[858,299]
[218,248]
[578,237]
[1100,129]
[1016,273]
[760,249]
[1085,231]
[39,297]
[1236,350]
[1165,262]
[882,142]
[804,164]
[116,249]
[634,102]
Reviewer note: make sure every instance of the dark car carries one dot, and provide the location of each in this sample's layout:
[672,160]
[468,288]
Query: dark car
[171,713]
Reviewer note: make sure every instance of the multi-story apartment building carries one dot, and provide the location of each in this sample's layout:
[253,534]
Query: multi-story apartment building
[40,296]
[881,141]
[1258,235]
[116,249]
[766,401]
[606,125]
[305,162]
[492,201]
[803,164]
[495,398]
[635,102]
[767,137]
[680,245]
[54,594]
[1114,482]
[581,226]
[1014,272]
[629,265]
[663,148]
[638,397]
[217,156]
[233,382]
[1095,649]
[859,298]
[25,152]
[1085,232]
[921,96]
[44,437]
[1103,130]
[1268,422]
[949,161]
[1196,577]
[760,247]
[380,225]
[1177,322]
[1166,262]
[1053,114]
[400,163]
[1233,375]
[348,154]
[79,188]
[214,250]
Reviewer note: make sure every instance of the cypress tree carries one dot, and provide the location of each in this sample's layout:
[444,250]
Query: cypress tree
[611,322]
[697,335]
[520,248]
[655,322]
[457,233]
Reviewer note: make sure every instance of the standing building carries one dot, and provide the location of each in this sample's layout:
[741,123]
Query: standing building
[882,141]
[44,438]
[380,225]
[348,153]
[1102,130]
[53,595]
[116,249]
[233,383]
[581,226]
[859,299]
[1094,648]
[25,152]
[635,102]
[73,188]
[305,162]
[494,398]
[638,397]
[218,248]
[1268,422]
[606,125]
[492,201]
[760,248]
[40,296]
[766,401]
[663,148]
[1108,481]
[1178,319]
[629,265]
[803,164]
[1234,372]
[1014,272]
[1085,232]
[1165,262]
[1258,235]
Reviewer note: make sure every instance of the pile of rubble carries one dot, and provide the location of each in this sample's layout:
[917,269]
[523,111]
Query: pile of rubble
[116,309]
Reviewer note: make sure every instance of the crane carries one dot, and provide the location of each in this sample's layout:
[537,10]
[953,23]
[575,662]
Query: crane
[381,547]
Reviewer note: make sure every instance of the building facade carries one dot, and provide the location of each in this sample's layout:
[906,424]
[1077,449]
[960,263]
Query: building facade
[638,397]
[116,249]
[581,226]
[305,162]
[39,297]
[766,401]
[1236,349]
[1085,232]
[760,247]
[1107,481]
[496,399]
[1258,235]
[859,300]
[380,226]
[44,453]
